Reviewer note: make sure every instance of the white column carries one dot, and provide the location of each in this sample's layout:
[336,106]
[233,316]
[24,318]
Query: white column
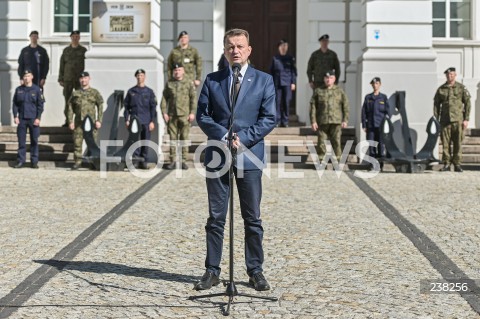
[397,45]
[112,67]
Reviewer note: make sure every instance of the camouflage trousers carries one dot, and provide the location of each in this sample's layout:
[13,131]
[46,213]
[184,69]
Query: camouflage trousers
[332,132]
[78,142]
[68,87]
[178,129]
[452,133]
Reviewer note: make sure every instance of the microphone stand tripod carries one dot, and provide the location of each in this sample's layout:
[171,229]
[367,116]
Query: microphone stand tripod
[231,290]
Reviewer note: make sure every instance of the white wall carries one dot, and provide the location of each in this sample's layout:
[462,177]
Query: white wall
[315,18]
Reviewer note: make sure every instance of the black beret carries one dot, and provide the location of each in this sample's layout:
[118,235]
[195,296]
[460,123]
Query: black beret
[84,73]
[330,73]
[34,32]
[74,32]
[139,71]
[176,65]
[450,69]
[182,34]
[26,71]
[324,37]
[282,41]
[375,79]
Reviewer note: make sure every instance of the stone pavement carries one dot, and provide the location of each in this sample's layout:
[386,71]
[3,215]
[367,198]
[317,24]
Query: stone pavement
[74,245]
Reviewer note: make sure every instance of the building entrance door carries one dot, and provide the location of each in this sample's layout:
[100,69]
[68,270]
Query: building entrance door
[267,21]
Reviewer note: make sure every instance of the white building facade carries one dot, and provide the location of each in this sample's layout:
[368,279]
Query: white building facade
[408,43]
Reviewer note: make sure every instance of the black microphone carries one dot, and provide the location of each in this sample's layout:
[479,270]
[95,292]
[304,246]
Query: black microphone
[236,69]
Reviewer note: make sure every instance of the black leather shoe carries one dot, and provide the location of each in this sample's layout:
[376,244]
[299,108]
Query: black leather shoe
[171,165]
[184,165]
[445,168]
[259,282]
[34,165]
[208,280]
[19,165]
[142,165]
[458,168]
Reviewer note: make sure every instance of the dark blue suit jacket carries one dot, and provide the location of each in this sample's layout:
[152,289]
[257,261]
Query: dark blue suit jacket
[254,114]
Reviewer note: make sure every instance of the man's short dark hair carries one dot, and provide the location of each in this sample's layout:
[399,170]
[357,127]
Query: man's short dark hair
[236,32]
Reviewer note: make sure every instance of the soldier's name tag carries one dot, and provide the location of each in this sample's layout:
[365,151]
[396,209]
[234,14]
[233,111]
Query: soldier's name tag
[186,60]
[381,102]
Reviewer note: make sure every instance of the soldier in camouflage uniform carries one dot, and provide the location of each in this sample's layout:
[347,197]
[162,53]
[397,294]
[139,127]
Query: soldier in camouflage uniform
[178,109]
[329,114]
[72,63]
[321,61]
[452,108]
[188,56]
[82,103]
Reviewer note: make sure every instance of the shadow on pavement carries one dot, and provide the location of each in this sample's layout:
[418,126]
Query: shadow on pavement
[102,267]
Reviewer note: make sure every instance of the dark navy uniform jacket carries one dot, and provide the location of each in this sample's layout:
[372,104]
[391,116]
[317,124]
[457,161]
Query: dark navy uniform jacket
[34,59]
[374,110]
[141,101]
[28,102]
[283,70]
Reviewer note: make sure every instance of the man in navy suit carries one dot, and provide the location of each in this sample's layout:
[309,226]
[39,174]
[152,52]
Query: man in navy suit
[254,118]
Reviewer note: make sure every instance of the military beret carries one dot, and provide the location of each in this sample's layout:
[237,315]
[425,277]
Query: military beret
[27,71]
[450,69]
[375,79]
[177,65]
[84,73]
[330,73]
[282,41]
[74,32]
[182,34]
[33,32]
[139,71]
[324,37]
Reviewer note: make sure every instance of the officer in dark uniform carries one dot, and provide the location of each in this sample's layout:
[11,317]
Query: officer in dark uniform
[27,109]
[35,58]
[284,74]
[374,110]
[141,102]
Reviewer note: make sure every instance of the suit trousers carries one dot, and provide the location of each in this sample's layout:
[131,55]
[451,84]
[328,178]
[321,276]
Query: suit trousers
[250,194]
[22,140]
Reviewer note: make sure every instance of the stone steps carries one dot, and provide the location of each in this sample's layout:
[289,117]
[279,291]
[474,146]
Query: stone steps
[56,144]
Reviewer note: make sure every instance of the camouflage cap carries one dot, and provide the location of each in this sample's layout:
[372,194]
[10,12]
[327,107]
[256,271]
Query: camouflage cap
[33,32]
[375,80]
[27,71]
[74,32]
[450,69]
[139,71]
[330,73]
[84,74]
[324,37]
